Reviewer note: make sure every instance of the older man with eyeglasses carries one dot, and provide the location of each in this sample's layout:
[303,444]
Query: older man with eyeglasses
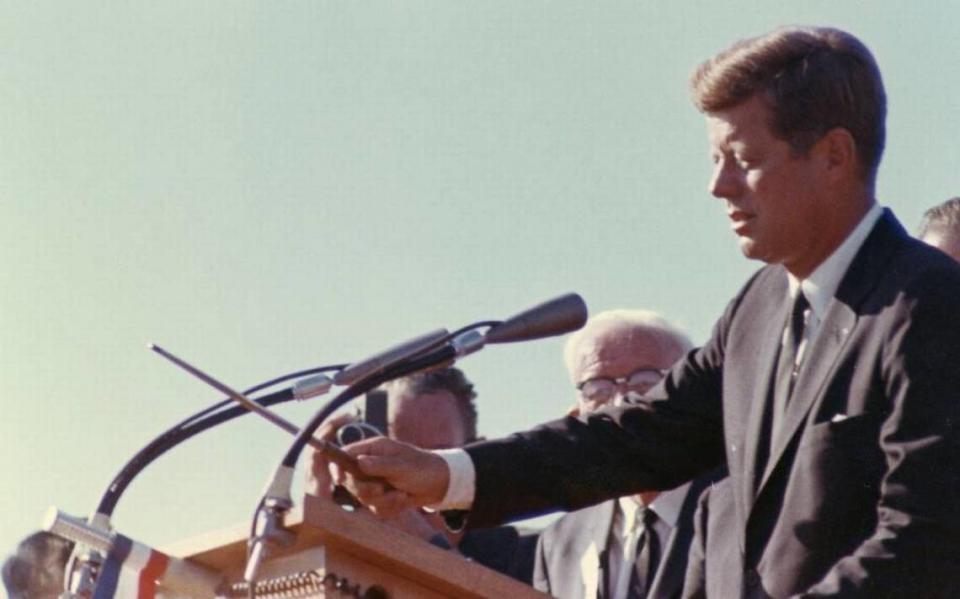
[633,547]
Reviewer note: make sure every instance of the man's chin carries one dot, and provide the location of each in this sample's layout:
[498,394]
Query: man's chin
[751,250]
[748,247]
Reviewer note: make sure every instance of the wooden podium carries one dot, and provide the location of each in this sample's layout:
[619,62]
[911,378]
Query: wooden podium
[341,554]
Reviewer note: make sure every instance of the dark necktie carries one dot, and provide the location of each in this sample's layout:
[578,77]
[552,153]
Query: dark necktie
[787,365]
[648,557]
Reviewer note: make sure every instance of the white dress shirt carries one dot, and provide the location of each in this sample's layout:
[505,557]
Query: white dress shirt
[820,287]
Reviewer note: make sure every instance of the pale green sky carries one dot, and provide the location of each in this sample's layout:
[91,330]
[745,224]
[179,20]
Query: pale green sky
[263,187]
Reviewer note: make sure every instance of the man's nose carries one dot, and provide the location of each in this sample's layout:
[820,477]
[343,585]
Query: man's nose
[725,181]
[622,395]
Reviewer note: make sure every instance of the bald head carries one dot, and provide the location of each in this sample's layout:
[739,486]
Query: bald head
[941,227]
[618,343]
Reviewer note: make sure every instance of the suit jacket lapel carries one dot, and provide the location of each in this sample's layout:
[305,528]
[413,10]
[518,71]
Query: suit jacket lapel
[665,579]
[821,356]
[764,362]
[668,580]
[593,561]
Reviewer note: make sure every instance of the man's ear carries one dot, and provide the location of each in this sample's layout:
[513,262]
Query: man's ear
[837,151]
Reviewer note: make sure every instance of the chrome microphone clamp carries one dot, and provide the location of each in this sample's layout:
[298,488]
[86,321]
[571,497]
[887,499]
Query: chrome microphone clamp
[268,530]
[311,387]
[93,539]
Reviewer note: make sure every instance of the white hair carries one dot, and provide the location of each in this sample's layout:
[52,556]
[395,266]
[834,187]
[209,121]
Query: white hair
[645,320]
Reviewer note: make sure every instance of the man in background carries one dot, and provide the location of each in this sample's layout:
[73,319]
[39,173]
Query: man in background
[941,227]
[436,410]
[636,546]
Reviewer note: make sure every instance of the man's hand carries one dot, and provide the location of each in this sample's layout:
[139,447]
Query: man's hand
[319,477]
[418,477]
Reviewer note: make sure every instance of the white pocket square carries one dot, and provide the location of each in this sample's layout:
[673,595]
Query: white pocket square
[839,418]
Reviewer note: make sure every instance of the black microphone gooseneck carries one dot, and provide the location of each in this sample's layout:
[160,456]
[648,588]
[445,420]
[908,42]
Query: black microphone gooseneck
[195,424]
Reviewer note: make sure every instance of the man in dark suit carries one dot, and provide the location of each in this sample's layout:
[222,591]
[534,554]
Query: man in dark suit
[830,385]
[634,546]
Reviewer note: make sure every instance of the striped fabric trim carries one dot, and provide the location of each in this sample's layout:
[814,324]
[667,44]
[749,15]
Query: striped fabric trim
[130,571]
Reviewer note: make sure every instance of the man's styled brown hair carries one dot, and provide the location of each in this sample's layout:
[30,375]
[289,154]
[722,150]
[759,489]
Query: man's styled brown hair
[813,79]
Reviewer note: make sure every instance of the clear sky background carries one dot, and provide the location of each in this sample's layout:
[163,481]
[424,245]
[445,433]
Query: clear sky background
[264,187]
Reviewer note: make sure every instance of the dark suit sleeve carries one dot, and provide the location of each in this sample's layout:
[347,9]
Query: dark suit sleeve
[915,548]
[568,464]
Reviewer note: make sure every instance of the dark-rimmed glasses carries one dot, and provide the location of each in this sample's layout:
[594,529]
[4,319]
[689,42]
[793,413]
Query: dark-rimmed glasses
[601,389]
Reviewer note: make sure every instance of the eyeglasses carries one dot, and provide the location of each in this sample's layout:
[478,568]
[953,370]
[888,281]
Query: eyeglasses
[602,389]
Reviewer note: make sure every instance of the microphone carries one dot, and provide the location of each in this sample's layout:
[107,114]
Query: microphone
[554,317]
[383,360]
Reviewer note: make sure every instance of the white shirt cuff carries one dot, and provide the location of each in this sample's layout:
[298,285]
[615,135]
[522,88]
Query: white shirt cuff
[463,480]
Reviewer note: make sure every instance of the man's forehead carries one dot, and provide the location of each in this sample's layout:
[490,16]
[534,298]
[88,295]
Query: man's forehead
[611,342]
[426,419]
[722,131]
[748,118]
[434,405]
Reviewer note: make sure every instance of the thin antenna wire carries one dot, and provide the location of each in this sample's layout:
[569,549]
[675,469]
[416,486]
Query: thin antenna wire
[329,450]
